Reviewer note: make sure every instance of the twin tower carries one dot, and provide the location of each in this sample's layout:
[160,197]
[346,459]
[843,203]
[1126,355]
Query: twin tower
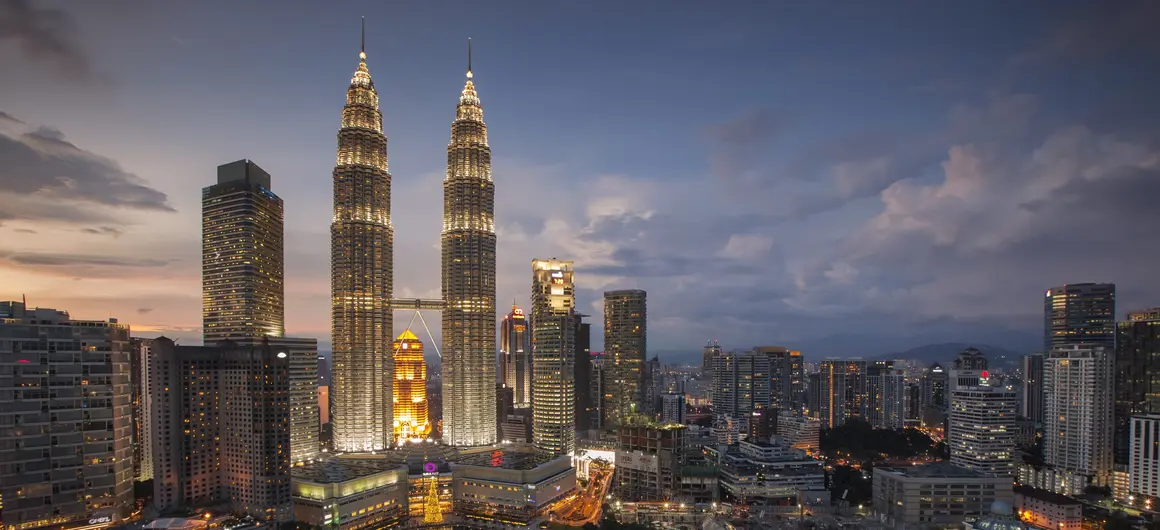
[362,270]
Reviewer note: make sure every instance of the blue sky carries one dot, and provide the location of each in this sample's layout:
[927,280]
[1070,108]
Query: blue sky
[846,178]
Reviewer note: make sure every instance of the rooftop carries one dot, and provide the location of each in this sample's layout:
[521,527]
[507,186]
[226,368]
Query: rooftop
[339,469]
[1045,496]
[935,470]
[506,458]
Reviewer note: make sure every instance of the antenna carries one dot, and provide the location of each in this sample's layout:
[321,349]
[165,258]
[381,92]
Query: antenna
[362,52]
[469,54]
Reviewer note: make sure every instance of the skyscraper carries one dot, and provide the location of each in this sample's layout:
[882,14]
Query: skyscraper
[711,350]
[1033,387]
[410,392]
[1080,313]
[1137,373]
[553,351]
[142,410]
[468,243]
[1077,406]
[66,455]
[981,429]
[889,403]
[841,392]
[243,295]
[515,356]
[934,387]
[625,348]
[787,378]
[583,374]
[741,383]
[222,429]
[361,272]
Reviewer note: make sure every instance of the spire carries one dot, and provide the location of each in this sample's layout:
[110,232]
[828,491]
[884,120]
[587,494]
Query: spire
[362,51]
[469,57]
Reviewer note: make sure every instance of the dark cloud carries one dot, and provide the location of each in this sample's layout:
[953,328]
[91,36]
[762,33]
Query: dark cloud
[24,230]
[44,34]
[1094,31]
[41,165]
[75,260]
[4,116]
[742,145]
[144,310]
[103,231]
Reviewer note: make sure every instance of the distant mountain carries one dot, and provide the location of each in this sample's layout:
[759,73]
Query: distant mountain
[945,353]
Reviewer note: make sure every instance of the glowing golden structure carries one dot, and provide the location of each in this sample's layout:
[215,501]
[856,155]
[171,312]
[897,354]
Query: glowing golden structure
[468,242]
[432,511]
[410,397]
[553,356]
[361,271]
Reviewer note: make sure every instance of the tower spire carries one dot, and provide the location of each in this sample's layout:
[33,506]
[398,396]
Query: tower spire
[362,51]
[469,57]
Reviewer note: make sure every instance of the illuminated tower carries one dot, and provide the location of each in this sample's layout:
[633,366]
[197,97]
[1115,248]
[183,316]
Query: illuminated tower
[410,399]
[515,360]
[625,336]
[468,242]
[553,355]
[361,247]
[243,296]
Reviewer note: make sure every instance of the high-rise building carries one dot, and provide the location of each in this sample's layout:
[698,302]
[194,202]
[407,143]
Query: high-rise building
[410,393]
[787,377]
[361,274]
[934,387]
[142,410]
[711,350]
[981,429]
[302,354]
[66,454]
[672,408]
[583,374]
[842,392]
[596,391]
[652,386]
[1137,373]
[222,429]
[515,351]
[1080,313]
[887,397]
[553,356]
[741,383]
[1144,459]
[1033,387]
[625,348]
[1078,405]
[969,370]
[468,243]
[243,295]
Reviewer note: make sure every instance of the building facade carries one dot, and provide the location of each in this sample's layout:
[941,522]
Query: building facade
[673,408]
[981,429]
[305,412]
[1144,464]
[243,292]
[410,393]
[842,392]
[935,495]
[1078,406]
[625,350]
[1080,313]
[787,377]
[1137,374]
[361,274]
[1045,509]
[768,471]
[741,383]
[66,454]
[582,368]
[1033,387]
[648,461]
[468,243]
[553,356]
[142,411]
[222,430]
[887,397]
[711,350]
[515,350]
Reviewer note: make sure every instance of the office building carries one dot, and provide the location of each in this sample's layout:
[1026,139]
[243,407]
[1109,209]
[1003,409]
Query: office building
[1080,313]
[1144,462]
[349,494]
[411,421]
[596,391]
[222,429]
[468,242]
[1137,373]
[305,413]
[243,293]
[509,487]
[769,472]
[800,432]
[625,350]
[981,430]
[553,350]
[1033,387]
[762,424]
[361,275]
[515,351]
[648,461]
[583,374]
[886,401]
[1078,405]
[934,387]
[711,350]
[969,370]
[673,408]
[66,453]
[842,392]
[936,495]
[741,383]
[142,410]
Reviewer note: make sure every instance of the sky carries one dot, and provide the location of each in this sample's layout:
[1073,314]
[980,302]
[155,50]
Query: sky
[847,178]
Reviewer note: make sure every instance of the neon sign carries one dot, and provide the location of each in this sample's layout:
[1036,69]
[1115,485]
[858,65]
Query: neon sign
[431,467]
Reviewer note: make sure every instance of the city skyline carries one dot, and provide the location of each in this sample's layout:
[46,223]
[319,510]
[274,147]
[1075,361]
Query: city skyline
[129,247]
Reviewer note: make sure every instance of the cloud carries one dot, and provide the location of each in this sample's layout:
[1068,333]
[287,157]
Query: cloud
[43,168]
[746,246]
[103,231]
[73,260]
[1092,32]
[741,147]
[144,310]
[24,230]
[43,33]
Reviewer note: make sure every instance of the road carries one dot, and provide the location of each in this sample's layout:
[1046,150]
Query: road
[585,506]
